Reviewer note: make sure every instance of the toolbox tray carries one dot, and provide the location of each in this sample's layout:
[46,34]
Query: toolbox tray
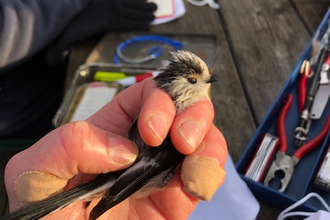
[101,58]
[305,171]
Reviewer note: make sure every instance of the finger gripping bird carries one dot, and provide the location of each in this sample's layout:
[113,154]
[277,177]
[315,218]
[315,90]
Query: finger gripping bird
[186,78]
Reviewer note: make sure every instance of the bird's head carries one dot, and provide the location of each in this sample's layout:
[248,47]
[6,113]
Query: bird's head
[185,77]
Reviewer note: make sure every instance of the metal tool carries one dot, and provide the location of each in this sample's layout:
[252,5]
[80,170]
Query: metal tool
[322,180]
[261,158]
[284,162]
[305,120]
[322,93]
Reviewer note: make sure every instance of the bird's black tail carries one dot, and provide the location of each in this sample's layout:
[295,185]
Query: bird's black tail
[130,182]
[42,208]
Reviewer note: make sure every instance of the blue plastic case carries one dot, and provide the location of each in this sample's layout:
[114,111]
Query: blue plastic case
[304,173]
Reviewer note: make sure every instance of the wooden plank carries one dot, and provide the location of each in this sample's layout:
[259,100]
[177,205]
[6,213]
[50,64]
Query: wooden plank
[233,116]
[268,39]
[77,57]
[311,12]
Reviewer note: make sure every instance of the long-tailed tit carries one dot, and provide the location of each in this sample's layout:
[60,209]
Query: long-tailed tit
[186,79]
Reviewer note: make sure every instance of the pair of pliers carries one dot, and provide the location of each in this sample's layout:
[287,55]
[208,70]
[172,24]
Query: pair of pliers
[305,74]
[284,162]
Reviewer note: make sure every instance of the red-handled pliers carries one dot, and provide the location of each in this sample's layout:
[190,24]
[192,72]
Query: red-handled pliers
[305,72]
[284,162]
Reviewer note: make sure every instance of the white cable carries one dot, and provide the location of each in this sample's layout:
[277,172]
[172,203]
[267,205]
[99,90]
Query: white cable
[290,214]
[285,213]
[211,3]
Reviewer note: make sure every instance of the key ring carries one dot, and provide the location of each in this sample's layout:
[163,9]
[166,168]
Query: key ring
[154,52]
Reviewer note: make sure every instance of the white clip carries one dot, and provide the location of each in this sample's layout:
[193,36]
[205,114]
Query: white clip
[211,3]
[324,74]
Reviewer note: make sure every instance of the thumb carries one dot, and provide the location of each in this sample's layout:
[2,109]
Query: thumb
[75,149]
[202,172]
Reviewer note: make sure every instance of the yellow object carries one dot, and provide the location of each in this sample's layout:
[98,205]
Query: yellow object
[108,76]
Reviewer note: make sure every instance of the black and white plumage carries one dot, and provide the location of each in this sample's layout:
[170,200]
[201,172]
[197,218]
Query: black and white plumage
[186,79]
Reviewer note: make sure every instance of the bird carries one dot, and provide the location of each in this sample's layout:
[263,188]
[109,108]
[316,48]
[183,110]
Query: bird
[186,79]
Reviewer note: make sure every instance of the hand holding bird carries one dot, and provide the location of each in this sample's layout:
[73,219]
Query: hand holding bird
[78,151]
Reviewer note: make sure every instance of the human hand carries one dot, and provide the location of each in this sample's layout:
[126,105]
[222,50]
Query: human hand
[99,17]
[75,152]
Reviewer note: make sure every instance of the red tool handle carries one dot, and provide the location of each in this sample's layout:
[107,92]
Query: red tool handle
[305,72]
[302,94]
[280,126]
[305,148]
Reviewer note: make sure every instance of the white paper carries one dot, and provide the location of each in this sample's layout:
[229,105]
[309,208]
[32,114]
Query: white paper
[165,8]
[319,215]
[179,11]
[93,99]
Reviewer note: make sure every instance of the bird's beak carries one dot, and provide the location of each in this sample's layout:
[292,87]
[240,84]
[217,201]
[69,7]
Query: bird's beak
[212,79]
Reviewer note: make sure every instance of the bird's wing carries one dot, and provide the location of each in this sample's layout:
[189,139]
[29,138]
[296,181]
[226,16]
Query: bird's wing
[84,191]
[132,180]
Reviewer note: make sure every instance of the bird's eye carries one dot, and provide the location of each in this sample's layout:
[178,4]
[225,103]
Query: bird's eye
[192,80]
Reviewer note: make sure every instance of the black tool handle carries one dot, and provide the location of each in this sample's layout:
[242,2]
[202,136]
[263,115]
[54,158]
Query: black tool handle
[302,128]
[316,79]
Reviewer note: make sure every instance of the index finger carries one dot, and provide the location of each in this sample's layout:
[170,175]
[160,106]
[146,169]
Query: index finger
[157,115]
[118,115]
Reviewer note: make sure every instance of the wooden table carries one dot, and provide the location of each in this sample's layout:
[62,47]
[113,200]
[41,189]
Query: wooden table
[258,44]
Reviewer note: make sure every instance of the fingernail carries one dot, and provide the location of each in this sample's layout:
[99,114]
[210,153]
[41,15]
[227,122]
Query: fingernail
[122,150]
[159,125]
[191,131]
